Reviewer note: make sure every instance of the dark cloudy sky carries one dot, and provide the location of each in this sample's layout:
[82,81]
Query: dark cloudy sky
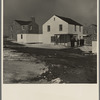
[83,11]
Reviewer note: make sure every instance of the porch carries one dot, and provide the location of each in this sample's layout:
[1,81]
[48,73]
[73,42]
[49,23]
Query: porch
[63,39]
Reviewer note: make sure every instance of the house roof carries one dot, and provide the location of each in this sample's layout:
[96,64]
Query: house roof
[69,20]
[23,22]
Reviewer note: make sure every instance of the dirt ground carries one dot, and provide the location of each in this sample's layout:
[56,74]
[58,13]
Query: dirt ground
[38,65]
[19,67]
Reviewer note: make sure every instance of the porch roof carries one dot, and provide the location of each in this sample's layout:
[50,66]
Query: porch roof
[65,34]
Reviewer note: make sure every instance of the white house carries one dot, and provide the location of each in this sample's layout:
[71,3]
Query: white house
[60,30]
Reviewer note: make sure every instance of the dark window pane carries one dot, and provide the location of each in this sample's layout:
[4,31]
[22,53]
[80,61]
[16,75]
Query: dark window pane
[52,38]
[48,28]
[60,27]
[21,36]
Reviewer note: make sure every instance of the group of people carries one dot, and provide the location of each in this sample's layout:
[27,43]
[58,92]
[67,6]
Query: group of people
[76,42]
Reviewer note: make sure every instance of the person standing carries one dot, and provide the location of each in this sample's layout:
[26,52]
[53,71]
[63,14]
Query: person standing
[82,42]
[72,42]
[78,42]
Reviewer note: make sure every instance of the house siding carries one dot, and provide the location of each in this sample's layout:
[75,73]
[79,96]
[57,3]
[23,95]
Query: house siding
[94,47]
[15,31]
[35,28]
[54,23]
[71,30]
[91,31]
[54,26]
[29,38]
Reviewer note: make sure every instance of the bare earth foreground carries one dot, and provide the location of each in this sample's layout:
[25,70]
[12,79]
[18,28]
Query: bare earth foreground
[24,64]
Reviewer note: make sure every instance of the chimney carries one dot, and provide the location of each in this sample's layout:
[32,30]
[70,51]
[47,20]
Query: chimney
[33,19]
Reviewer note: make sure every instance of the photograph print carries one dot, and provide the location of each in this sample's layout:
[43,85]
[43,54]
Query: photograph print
[50,41]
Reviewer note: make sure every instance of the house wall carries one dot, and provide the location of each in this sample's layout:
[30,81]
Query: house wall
[92,29]
[54,23]
[54,26]
[71,30]
[46,38]
[21,40]
[35,28]
[92,34]
[94,47]
[17,29]
[29,38]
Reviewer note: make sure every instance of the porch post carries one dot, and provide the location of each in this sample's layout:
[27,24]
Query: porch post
[59,39]
[54,39]
[64,39]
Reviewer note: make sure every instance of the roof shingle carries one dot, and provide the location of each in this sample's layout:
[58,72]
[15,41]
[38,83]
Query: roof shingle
[23,22]
[69,20]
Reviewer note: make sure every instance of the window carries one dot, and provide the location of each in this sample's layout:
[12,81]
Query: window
[21,36]
[52,38]
[80,28]
[48,28]
[31,27]
[54,18]
[75,27]
[23,27]
[60,27]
